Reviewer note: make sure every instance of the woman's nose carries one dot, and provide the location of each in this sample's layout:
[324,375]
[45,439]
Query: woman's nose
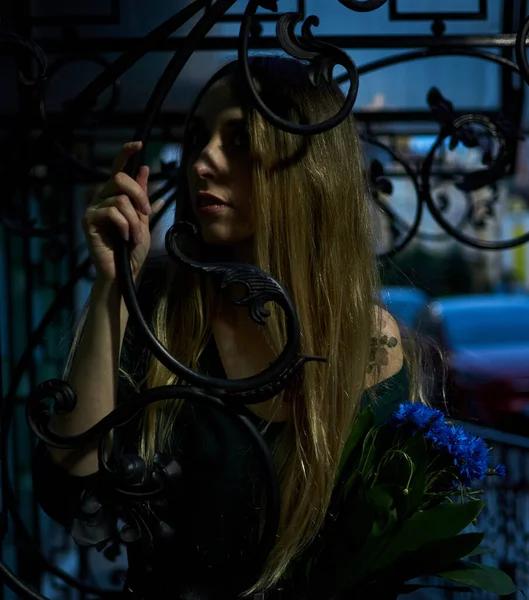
[207,163]
[203,170]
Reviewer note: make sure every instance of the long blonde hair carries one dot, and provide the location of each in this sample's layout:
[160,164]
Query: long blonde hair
[313,234]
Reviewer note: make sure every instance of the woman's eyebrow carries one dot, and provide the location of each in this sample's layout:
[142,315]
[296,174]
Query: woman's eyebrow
[234,122]
[198,121]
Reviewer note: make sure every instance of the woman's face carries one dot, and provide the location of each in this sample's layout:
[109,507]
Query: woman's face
[219,169]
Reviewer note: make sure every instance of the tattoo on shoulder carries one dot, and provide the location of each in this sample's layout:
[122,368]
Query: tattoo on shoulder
[379,355]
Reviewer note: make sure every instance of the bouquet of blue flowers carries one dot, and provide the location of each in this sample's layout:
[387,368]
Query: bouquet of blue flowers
[404,499]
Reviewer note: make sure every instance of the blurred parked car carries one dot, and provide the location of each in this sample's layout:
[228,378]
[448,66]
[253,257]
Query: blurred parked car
[486,341]
[404,303]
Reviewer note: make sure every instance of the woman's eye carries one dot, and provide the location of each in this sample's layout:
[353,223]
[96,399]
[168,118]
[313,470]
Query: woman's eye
[240,139]
[197,139]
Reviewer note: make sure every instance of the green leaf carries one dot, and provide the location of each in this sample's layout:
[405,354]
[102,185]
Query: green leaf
[350,461]
[409,588]
[481,576]
[415,497]
[383,506]
[441,553]
[430,559]
[406,468]
[480,550]
[368,457]
[348,525]
[384,524]
[342,540]
[430,525]
[362,425]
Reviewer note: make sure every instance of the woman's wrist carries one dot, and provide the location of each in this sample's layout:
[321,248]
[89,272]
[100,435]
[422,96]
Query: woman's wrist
[105,288]
[107,293]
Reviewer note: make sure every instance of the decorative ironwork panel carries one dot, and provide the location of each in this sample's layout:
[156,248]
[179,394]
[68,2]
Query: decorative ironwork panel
[480,13]
[441,175]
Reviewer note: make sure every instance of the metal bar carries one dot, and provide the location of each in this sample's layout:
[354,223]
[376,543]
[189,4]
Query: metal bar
[22,434]
[262,18]
[3,459]
[500,437]
[113,18]
[387,172]
[23,443]
[67,190]
[302,9]
[96,45]
[511,84]
[176,119]
[22,438]
[25,436]
[481,14]
[3,433]
[237,18]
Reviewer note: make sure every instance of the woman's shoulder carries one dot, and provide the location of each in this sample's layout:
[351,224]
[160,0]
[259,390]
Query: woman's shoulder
[387,357]
[387,383]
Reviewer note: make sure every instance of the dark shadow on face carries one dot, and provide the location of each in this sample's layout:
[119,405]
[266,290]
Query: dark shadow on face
[227,90]
[218,171]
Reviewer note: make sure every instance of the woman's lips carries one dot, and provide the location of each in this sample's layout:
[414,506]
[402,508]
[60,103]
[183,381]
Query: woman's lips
[212,209]
[209,204]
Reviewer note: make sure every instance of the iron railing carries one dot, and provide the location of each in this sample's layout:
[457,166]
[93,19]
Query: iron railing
[37,138]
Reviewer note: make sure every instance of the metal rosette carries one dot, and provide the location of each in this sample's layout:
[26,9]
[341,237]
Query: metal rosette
[459,130]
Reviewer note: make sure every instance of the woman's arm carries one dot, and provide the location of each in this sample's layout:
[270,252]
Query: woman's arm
[94,375]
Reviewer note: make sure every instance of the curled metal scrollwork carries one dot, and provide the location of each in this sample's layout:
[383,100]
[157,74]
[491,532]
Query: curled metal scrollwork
[127,482]
[126,486]
[363,5]
[521,53]
[261,288]
[15,41]
[402,233]
[90,112]
[323,59]
[460,131]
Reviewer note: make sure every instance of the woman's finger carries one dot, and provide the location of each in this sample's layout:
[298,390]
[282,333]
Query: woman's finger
[122,205]
[109,214]
[121,183]
[122,158]
[125,207]
[143,177]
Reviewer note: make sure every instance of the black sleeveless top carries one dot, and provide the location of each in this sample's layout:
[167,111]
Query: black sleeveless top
[215,513]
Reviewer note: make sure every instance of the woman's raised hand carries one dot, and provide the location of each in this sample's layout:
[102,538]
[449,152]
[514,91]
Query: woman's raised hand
[122,205]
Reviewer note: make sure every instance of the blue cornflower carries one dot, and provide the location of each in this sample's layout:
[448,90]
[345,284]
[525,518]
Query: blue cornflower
[440,434]
[472,456]
[468,454]
[416,416]
[501,470]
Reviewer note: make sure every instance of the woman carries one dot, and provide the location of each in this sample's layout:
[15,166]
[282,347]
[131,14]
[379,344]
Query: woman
[297,208]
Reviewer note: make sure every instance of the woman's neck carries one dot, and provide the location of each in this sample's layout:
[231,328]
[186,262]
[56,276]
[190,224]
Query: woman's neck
[242,252]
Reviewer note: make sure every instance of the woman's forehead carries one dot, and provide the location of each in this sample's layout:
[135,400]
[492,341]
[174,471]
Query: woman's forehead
[219,100]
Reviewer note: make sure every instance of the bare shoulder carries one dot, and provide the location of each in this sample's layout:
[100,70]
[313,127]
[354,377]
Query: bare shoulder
[386,349]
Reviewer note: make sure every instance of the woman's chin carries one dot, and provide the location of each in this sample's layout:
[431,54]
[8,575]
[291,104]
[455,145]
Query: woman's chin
[223,237]
[227,247]
[216,241]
